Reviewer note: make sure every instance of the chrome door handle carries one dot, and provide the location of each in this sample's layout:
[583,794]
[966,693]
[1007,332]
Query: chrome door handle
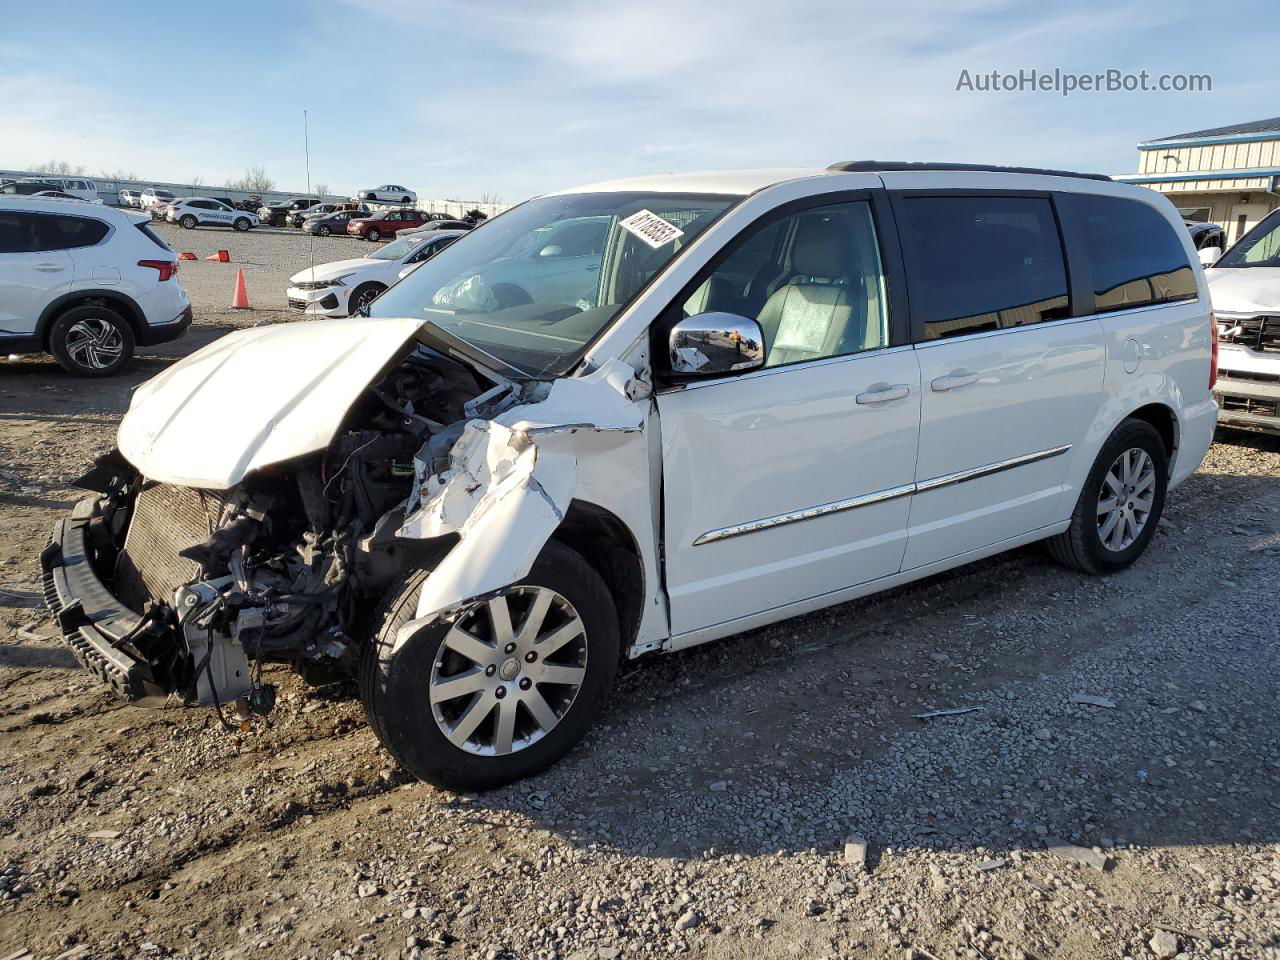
[954,380]
[49,267]
[884,393]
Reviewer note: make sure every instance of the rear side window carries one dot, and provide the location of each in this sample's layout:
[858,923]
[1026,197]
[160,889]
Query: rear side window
[66,233]
[14,233]
[983,263]
[1136,255]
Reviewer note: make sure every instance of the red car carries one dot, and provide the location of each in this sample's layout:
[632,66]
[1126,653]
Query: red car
[387,223]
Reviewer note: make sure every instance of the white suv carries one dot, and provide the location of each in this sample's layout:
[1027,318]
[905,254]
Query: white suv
[85,283]
[1245,285]
[755,395]
[192,212]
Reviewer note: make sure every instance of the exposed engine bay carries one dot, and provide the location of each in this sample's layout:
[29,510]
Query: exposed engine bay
[287,565]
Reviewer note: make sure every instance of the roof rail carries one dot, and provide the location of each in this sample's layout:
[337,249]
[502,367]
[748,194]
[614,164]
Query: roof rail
[893,166]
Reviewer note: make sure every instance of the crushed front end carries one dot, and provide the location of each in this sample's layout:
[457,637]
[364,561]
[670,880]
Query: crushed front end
[170,592]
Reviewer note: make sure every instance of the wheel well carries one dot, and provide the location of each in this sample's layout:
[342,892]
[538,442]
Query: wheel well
[122,305]
[605,542]
[1160,417]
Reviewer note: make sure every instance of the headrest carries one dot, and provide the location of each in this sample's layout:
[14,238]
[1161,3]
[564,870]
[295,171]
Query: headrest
[821,248]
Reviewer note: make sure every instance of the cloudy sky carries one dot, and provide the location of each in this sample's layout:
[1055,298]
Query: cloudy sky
[457,98]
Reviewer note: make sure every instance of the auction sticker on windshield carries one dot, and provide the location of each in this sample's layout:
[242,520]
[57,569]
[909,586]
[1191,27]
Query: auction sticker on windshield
[651,228]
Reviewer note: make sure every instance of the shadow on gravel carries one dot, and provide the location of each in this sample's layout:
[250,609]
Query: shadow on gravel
[800,735]
[31,655]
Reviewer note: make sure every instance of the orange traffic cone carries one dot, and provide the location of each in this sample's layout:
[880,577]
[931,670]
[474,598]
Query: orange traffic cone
[240,301]
[186,255]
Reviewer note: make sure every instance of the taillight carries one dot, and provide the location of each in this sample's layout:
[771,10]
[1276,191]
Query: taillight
[1213,350]
[166,268]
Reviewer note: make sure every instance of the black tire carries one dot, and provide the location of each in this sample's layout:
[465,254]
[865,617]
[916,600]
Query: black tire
[63,334]
[242,224]
[374,234]
[362,296]
[188,222]
[392,682]
[404,199]
[1080,545]
[278,220]
[323,230]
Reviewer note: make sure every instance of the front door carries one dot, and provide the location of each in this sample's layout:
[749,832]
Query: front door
[33,273]
[793,480]
[1009,379]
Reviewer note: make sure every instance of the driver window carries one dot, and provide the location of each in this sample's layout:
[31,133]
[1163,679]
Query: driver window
[812,280]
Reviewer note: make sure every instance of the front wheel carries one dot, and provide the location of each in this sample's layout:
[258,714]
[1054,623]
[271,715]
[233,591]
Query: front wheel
[323,231]
[375,234]
[91,341]
[511,683]
[188,222]
[1120,504]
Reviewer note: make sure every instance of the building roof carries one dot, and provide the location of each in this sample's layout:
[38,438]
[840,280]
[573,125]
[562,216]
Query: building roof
[1271,125]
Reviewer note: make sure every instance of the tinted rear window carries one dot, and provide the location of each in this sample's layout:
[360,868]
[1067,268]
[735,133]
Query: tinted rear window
[983,263]
[1137,255]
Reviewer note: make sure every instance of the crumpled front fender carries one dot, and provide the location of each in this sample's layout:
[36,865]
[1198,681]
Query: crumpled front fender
[503,494]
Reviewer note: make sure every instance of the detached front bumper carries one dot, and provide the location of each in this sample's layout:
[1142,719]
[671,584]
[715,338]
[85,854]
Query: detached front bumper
[325,302]
[1248,404]
[106,637]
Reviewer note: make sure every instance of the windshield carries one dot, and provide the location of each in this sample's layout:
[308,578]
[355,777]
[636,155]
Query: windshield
[395,249]
[1260,247]
[536,285]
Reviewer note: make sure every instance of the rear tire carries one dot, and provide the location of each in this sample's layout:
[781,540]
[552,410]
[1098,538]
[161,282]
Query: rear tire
[241,224]
[91,341]
[1120,503]
[396,684]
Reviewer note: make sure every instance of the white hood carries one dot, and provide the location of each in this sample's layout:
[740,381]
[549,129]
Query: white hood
[1245,289]
[331,271]
[255,397]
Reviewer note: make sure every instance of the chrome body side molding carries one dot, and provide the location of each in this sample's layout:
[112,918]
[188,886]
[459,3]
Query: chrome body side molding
[880,496]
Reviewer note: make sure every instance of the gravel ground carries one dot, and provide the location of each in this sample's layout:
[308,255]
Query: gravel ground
[269,256]
[1115,793]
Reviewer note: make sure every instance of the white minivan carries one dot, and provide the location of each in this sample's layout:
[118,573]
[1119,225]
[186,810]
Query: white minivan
[771,392]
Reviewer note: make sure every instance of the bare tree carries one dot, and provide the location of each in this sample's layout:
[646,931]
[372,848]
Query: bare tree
[322,189]
[60,167]
[255,180]
[197,181]
[119,173]
[490,198]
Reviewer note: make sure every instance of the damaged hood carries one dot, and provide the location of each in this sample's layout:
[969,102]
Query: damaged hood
[256,397]
[1244,289]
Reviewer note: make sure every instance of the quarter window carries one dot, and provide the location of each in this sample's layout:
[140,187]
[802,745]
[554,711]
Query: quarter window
[1137,257]
[983,263]
[66,233]
[812,280]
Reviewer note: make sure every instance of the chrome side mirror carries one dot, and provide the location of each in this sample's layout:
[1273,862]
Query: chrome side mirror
[1209,255]
[708,344]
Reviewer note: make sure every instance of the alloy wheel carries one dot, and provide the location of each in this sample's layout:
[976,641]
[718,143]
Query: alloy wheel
[1126,499]
[94,344]
[508,671]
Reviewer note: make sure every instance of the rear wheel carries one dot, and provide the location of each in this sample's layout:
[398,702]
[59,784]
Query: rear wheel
[1120,504]
[91,341]
[241,224]
[502,690]
[404,199]
[188,222]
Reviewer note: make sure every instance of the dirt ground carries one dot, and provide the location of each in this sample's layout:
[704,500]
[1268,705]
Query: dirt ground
[708,814]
